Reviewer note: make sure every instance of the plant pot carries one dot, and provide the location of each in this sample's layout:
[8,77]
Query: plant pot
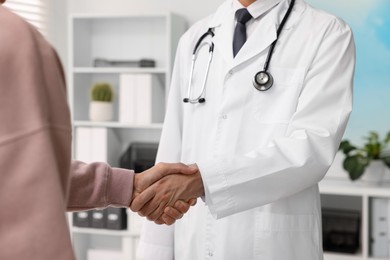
[100,111]
[374,173]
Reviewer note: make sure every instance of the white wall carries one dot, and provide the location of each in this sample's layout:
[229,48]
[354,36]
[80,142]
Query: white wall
[59,11]
[57,29]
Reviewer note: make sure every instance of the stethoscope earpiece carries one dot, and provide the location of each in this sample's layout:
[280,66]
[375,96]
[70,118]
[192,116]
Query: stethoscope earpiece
[263,81]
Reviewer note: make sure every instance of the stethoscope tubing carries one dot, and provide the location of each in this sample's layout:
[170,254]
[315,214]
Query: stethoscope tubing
[189,91]
[197,47]
[272,47]
[264,75]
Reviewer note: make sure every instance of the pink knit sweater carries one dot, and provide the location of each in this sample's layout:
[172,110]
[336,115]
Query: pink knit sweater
[38,182]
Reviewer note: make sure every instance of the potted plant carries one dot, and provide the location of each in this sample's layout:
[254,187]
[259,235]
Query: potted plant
[373,154]
[101,108]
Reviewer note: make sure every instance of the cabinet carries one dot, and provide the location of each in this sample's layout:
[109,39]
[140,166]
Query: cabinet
[118,37]
[356,196]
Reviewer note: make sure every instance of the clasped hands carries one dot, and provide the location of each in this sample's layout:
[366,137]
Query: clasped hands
[166,191]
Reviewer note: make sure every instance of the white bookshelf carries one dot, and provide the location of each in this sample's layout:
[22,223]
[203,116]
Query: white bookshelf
[117,37]
[343,193]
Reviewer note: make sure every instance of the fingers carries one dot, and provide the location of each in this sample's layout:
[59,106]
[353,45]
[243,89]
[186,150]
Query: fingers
[154,208]
[176,190]
[171,214]
[179,209]
[181,206]
[168,220]
[142,199]
[153,213]
[171,168]
[161,170]
[160,221]
[145,179]
[192,202]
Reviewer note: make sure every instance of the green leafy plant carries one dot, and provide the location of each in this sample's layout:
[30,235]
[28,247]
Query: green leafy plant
[102,91]
[358,158]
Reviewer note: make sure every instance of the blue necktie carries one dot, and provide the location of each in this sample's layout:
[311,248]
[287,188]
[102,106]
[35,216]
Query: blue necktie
[243,16]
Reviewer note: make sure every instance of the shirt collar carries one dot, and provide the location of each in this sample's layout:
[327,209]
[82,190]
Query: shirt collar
[257,8]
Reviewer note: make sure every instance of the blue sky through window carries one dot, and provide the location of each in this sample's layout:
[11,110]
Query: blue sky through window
[370,22]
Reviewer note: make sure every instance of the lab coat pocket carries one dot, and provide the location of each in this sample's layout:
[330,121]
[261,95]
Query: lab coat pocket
[281,237]
[278,104]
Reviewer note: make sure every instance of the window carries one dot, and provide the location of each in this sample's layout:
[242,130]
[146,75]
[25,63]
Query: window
[33,11]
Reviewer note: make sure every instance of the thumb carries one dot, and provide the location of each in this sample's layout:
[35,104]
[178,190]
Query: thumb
[175,168]
[161,170]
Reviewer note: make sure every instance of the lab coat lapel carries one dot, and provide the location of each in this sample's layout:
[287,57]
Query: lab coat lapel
[265,33]
[259,41]
[223,22]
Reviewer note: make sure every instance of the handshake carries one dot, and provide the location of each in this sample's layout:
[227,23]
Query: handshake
[166,191]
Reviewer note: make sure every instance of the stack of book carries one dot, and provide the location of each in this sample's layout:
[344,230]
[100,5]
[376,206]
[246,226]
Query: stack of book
[379,227]
[141,99]
[97,144]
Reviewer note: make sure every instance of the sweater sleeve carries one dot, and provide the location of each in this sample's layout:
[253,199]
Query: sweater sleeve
[97,185]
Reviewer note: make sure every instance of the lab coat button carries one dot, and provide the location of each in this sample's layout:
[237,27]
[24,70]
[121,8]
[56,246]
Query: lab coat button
[224,116]
[210,253]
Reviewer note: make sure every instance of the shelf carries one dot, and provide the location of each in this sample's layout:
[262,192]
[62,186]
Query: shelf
[113,124]
[105,232]
[117,70]
[347,187]
[340,256]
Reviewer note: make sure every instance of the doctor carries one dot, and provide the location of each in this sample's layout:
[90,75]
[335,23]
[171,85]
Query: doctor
[261,150]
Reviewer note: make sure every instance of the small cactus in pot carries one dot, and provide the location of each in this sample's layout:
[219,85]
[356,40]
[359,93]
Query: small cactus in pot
[101,108]
[102,91]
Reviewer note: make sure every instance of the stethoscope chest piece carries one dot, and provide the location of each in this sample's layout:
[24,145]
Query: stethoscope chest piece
[263,81]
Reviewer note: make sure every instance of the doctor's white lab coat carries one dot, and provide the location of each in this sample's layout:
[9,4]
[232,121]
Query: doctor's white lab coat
[260,154]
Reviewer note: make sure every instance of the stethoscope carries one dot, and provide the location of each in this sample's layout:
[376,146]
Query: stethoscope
[262,80]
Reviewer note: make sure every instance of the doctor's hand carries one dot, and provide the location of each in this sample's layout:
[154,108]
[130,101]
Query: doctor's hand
[145,179]
[166,192]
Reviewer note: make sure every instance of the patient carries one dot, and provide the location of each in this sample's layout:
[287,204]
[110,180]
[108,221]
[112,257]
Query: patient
[38,181]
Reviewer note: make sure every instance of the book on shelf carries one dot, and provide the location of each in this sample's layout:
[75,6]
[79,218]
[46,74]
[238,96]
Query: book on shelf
[141,99]
[379,227]
[97,144]
[104,254]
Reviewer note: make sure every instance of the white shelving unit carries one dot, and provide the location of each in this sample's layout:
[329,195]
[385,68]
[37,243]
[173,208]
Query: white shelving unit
[357,196]
[117,37]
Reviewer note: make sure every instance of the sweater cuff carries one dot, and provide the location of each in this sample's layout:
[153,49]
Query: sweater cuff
[120,187]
